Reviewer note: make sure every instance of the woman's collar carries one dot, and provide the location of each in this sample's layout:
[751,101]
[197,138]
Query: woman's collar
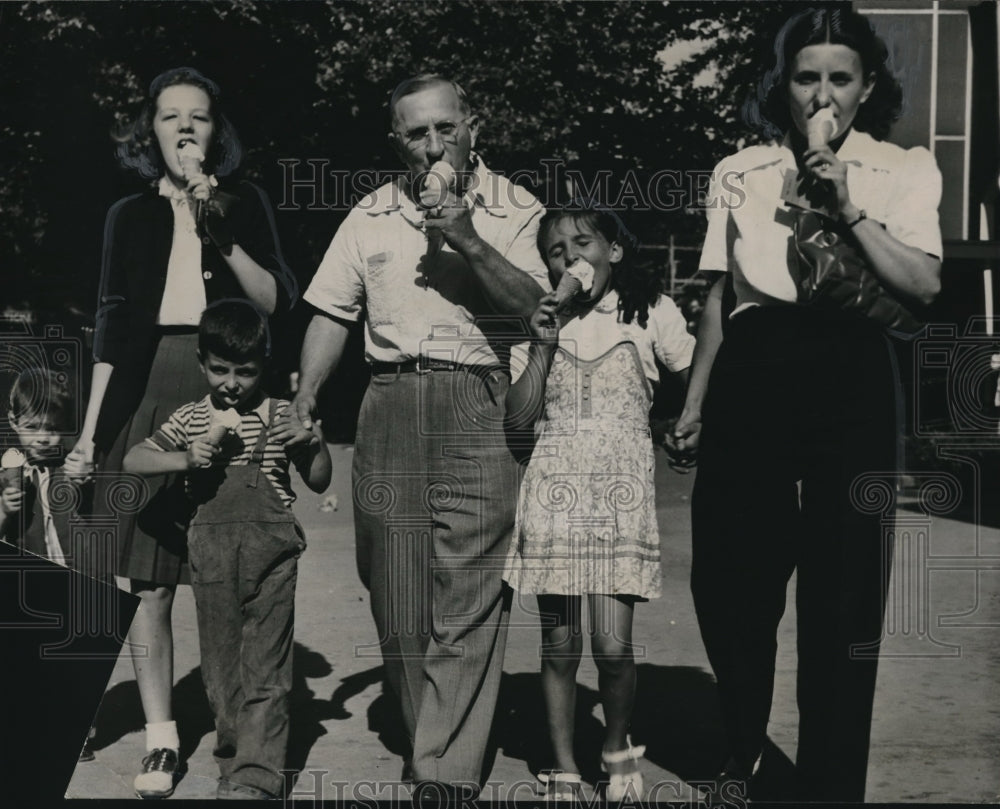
[165,188]
[852,146]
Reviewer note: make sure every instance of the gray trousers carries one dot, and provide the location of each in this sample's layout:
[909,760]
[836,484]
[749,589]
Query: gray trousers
[435,489]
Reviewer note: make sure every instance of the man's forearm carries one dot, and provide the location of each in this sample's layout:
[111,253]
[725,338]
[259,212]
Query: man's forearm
[322,348]
[510,291]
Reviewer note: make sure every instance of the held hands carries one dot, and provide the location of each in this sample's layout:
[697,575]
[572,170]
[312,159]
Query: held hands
[79,463]
[297,425]
[680,440]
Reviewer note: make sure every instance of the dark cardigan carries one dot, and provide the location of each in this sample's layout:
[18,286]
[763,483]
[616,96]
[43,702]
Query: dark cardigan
[138,235]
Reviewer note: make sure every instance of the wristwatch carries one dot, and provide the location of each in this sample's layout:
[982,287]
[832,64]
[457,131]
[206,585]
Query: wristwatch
[862,215]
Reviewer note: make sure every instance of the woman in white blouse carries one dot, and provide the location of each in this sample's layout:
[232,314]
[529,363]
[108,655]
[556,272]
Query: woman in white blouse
[183,243]
[794,404]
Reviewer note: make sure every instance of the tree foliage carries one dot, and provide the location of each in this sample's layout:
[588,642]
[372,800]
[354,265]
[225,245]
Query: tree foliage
[597,86]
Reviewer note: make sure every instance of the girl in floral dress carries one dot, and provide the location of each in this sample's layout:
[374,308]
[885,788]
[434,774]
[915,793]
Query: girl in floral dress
[586,518]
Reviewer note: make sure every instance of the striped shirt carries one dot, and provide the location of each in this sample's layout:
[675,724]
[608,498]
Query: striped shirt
[193,420]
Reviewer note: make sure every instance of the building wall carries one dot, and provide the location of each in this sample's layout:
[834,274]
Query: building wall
[932,54]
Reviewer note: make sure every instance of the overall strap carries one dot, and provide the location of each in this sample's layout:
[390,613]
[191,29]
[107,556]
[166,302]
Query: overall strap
[257,456]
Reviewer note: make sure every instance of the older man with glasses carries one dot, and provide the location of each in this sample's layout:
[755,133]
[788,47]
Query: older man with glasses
[437,278]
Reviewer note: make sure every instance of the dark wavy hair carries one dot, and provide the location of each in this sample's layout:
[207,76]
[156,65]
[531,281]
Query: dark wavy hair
[137,147]
[638,284]
[767,110]
[235,330]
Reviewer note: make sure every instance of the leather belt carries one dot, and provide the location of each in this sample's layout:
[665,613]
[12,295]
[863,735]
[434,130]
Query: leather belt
[430,364]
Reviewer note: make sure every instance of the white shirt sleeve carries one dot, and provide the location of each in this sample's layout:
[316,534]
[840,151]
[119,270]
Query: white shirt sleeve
[913,213]
[672,343]
[715,252]
[522,249]
[338,287]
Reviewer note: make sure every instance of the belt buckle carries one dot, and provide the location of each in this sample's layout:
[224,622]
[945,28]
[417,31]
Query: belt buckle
[430,364]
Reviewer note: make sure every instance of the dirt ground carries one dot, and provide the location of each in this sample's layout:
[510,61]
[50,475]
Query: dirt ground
[936,732]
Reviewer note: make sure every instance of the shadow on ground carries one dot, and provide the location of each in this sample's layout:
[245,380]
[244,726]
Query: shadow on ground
[307,713]
[121,710]
[676,717]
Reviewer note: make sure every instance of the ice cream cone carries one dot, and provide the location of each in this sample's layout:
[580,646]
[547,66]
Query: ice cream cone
[438,182]
[820,128]
[11,479]
[584,271]
[216,434]
[191,158]
[223,422]
[569,287]
[11,465]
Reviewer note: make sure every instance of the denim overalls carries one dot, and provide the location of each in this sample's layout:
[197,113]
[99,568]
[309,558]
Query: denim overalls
[244,545]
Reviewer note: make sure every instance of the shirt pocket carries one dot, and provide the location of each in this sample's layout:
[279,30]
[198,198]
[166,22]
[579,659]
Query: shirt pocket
[381,284]
[378,264]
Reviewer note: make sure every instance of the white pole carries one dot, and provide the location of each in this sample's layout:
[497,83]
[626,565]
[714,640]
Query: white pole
[984,235]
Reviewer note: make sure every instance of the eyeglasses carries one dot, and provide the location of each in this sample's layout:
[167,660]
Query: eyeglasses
[420,135]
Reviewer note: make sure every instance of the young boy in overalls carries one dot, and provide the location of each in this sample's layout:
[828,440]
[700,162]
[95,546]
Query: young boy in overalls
[243,542]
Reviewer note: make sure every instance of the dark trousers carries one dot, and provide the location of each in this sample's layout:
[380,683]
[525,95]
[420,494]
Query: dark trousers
[435,488]
[243,549]
[796,398]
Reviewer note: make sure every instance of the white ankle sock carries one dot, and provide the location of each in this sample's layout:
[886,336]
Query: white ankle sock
[162,734]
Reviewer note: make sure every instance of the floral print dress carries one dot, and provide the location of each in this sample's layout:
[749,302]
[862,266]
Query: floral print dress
[586,513]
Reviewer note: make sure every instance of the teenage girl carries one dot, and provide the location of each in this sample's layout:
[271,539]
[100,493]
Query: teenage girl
[191,238]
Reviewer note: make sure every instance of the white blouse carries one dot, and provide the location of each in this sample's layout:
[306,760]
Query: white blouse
[750,226]
[665,337]
[184,294]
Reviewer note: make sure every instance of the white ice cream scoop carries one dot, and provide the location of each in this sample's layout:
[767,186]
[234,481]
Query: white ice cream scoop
[217,434]
[191,157]
[437,183]
[223,422]
[10,469]
[577,279]
[584,271]
[13,458]
[820,128]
